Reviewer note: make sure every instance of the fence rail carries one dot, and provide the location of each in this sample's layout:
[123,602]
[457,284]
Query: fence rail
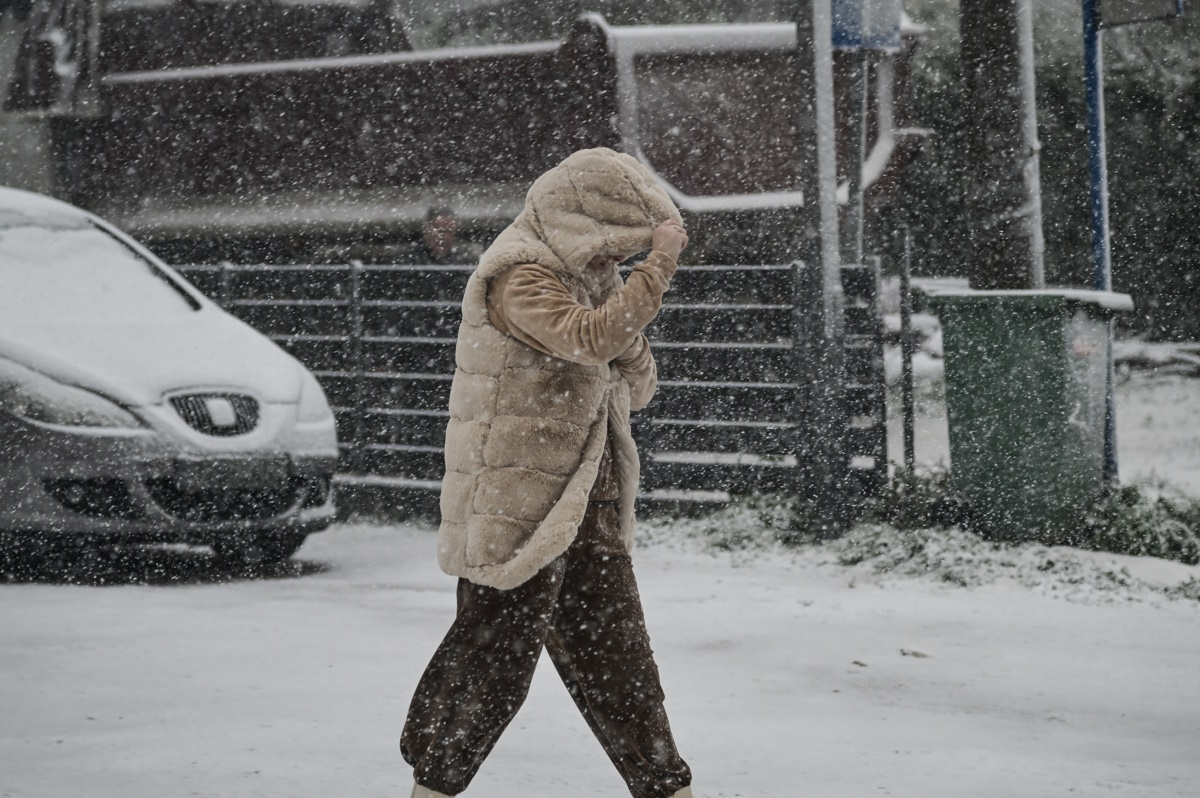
[380,339]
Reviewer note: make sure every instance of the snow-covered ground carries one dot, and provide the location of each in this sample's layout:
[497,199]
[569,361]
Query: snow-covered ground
[784,678]
[787,673]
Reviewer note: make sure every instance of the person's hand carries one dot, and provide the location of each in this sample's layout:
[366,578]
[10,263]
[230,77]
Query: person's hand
[669,238]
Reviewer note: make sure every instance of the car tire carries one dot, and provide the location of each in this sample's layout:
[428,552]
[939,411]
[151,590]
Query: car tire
[258,551]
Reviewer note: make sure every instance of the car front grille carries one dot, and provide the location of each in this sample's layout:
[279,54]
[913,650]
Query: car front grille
[220,414]
[226,504]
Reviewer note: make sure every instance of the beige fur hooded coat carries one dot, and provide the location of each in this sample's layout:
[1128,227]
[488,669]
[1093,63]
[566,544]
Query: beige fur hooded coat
[528,424]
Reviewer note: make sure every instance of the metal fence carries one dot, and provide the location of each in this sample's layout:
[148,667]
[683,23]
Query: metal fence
[380,338]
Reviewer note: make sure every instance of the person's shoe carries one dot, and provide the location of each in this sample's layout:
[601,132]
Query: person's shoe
[425,792]
[686,792]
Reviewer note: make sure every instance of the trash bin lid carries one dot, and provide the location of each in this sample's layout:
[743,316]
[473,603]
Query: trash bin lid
[1101,303]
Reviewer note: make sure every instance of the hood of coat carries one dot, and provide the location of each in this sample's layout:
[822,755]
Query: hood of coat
[595,202]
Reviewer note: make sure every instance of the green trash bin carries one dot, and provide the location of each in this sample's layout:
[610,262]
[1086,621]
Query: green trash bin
[1026,375]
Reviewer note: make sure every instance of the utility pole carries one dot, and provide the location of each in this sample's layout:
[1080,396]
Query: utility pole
[818,303]
[1004,200]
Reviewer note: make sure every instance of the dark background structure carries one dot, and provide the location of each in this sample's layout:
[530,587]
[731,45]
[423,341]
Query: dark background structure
[1153,107]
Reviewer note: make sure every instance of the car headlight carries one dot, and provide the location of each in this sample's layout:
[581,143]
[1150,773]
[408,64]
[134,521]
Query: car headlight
[313,405]
[36,397]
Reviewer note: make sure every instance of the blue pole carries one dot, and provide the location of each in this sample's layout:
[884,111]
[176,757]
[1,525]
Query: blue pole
[1093,66]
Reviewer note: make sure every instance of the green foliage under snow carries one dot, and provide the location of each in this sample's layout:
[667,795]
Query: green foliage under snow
[1131,522]
[907,534]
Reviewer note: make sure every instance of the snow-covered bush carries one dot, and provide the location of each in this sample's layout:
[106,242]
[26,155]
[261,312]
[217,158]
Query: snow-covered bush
[918,525]
[1130,522]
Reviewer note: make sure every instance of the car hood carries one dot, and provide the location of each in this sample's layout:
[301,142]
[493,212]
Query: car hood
[138,361]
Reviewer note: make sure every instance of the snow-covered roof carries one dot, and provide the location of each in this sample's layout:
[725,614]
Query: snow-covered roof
[711,38]
[340,62]
[310,210]
[722,38]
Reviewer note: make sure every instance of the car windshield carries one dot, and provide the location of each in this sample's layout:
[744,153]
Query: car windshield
[61,267]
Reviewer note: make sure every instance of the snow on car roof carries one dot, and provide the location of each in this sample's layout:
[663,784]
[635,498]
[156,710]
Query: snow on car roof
[24,208]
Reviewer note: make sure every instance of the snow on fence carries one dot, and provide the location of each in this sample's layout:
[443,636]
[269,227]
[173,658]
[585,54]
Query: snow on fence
[380,338]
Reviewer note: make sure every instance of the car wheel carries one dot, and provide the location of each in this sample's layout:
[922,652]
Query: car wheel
[258,551]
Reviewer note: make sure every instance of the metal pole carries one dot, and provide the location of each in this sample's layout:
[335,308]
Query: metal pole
[1093,68]
[87,100]
[907,345]
[818,305]
[356,363]
[852,231]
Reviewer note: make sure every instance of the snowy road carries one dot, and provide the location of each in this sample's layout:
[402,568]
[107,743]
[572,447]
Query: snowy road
[297,687]
[783,680]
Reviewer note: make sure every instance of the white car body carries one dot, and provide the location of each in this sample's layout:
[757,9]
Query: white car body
[219,436]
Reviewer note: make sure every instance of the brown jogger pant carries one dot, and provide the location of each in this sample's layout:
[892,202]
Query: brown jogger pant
[585,609]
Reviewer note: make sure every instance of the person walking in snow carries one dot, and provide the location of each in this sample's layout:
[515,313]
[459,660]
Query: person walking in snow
[537,502]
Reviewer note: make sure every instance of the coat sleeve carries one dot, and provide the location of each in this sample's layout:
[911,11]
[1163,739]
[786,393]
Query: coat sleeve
[538,310]
[639,370]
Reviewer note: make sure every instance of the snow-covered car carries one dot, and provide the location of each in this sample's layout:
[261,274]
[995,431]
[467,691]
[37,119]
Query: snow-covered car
[133,409]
